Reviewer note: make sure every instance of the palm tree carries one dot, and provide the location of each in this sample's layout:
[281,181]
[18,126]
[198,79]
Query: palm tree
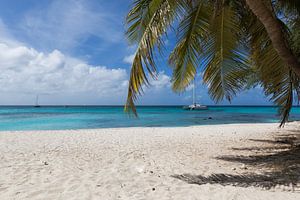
[234,43]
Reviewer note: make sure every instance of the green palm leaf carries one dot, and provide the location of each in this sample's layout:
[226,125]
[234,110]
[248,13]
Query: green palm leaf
[148,20]
[192,32]
[226,60]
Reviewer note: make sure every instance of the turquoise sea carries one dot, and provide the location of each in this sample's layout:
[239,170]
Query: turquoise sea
[87,117]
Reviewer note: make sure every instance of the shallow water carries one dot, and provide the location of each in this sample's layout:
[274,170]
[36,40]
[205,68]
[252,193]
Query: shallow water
[85,117]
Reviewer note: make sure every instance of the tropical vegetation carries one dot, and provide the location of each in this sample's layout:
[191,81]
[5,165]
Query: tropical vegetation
[235,44]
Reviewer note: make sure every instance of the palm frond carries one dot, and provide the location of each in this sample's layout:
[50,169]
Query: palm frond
[295,37]
[226,60]
[285,97]
[148,20]
[279,82]
[192,32]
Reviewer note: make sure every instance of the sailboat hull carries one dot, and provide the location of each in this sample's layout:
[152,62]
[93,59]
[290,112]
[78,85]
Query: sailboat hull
[195,107]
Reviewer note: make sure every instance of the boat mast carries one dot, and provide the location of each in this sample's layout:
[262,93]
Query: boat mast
[37,100]
[194,92]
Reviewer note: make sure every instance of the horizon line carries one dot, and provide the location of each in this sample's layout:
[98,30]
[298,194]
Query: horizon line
[146,105]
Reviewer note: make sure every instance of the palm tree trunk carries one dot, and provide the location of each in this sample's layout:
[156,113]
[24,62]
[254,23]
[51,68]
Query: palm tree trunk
[274,29]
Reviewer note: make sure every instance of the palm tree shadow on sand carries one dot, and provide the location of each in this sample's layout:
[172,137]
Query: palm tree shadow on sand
[280,161]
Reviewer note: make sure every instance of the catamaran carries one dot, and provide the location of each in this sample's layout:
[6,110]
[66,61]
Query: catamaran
[195,106]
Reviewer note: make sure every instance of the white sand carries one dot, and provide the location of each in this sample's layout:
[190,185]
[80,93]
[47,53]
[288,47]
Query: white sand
[134,163]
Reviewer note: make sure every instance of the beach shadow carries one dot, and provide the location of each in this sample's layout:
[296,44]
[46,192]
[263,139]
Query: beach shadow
[281,167]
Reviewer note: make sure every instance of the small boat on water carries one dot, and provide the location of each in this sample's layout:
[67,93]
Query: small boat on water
[195,106]
[37,102]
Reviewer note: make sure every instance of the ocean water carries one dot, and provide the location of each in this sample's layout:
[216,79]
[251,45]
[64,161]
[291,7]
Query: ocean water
[88,117]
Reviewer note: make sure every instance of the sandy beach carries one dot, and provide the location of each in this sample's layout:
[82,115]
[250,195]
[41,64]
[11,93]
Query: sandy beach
[249,161]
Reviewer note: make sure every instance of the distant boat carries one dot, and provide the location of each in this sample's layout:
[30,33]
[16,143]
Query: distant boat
[195,106]
[37,102]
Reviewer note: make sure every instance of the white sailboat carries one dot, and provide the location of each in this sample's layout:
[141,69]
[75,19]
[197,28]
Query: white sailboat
[37,102]
[195,105]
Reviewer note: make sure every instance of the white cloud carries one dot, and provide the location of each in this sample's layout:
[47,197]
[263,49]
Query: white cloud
[162,81]
[25,70]
[129,59]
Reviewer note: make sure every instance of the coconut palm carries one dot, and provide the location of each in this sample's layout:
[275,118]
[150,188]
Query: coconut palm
[233,42]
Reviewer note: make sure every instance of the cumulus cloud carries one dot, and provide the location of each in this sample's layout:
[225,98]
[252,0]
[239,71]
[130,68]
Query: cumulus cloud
[26,70]
[162,81]
[29,71]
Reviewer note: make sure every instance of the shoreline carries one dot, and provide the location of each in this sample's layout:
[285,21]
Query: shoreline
[276,124]
[232,161]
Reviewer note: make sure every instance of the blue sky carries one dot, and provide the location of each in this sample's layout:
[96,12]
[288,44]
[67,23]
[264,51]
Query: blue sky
[75,52]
